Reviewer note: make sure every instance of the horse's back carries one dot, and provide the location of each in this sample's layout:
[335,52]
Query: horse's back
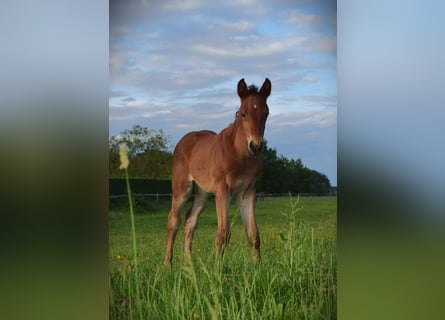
[191,139]
[193,143]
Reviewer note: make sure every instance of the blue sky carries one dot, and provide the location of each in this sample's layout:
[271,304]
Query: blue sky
[174,65]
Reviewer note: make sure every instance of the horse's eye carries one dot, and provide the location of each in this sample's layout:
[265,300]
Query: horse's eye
[243,115]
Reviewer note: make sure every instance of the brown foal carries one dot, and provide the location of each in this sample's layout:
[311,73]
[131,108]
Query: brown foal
[226,164]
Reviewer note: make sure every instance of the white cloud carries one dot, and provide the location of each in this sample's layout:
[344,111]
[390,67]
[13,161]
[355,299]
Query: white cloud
[327,101]
[244,48]
[235,26]
[300,19]
[318,118]
[175,65]
[244,2]
[326,44]
[183,5]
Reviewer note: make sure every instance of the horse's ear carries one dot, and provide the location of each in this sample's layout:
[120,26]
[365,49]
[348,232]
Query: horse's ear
[266,88]
[242,88]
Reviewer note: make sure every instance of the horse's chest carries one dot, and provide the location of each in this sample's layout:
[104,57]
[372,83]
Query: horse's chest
[242,179]
[239,185]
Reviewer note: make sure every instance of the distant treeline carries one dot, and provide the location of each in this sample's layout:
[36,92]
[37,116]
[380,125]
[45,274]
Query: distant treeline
[150,158]
[281,175]
[118,186]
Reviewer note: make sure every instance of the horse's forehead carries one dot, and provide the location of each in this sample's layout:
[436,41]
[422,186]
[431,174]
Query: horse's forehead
[256,101]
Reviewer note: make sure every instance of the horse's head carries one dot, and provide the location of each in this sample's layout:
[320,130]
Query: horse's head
[253,113]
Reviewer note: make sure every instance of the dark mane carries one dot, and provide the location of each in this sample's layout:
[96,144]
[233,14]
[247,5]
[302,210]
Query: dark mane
[252,89]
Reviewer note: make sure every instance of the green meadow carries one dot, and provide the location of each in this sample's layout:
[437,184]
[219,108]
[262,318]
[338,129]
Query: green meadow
[296,278]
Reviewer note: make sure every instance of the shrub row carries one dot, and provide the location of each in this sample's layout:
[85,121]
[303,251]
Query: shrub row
[118,186]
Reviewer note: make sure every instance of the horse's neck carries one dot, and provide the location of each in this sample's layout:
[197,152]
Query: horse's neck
[234,136]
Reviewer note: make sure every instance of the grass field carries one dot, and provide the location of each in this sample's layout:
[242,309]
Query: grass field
[296,278]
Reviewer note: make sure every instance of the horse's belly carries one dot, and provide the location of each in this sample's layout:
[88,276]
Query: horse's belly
[203,174]
[204,183]
[234,186]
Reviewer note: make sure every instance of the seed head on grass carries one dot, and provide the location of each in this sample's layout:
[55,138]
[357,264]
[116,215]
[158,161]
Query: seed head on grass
[123,156]
[124,166]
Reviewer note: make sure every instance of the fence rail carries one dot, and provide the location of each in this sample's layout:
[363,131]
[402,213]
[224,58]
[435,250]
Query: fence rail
[259,195]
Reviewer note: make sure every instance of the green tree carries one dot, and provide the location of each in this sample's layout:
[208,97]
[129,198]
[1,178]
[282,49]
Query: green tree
[150,157]
[148,151]
[140,139]
[281,175]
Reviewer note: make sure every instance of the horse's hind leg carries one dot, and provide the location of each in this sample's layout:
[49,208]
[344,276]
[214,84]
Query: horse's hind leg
[180,193]
[222,238]
[246,204]
[191,221]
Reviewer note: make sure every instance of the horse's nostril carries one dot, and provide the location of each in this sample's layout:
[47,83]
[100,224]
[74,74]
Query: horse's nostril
[255,148]
[251,147]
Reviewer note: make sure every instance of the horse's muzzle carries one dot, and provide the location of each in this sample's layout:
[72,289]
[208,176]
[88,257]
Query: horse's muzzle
[255,148]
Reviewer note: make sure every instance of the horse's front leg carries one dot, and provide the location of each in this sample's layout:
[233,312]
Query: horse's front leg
[246,202]
[222,199]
